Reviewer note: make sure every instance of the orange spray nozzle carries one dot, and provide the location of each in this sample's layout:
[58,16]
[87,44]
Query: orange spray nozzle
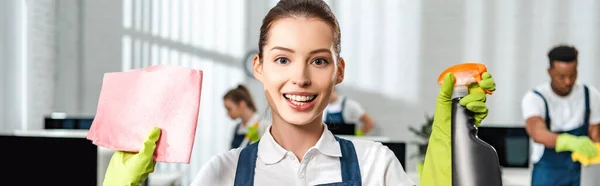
[465,74]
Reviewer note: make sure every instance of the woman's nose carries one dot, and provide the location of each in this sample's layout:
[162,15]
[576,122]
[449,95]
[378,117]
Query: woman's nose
[301,75]
[302,83]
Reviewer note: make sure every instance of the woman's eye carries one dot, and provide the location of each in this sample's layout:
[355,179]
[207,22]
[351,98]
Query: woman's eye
[282,60]
[320,62]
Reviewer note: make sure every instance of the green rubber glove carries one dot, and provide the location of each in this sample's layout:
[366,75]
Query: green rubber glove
[130,168]
[581,144]
[359,132]
[437,168]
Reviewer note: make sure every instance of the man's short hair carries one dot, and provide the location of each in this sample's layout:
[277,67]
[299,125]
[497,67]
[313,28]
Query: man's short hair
[563,53]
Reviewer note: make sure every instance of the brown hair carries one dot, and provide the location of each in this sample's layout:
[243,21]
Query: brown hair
[239,94]
[300,8]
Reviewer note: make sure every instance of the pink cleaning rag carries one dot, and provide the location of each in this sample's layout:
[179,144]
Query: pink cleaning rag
[133,102]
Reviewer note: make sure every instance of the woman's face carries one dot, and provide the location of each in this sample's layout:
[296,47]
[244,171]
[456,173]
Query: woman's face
[299,69]
[233,110]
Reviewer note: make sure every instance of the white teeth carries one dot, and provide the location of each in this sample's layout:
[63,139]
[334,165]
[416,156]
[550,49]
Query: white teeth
[298,103]
[297,98]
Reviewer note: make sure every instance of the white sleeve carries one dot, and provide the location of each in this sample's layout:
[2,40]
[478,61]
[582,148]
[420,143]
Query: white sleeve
[395,174]
[379,165]
[353,111]
[219,170]
[594,105]
[532,105]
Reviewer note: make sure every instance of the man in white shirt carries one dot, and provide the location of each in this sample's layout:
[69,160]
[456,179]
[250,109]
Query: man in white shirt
[344,111]
[562,117]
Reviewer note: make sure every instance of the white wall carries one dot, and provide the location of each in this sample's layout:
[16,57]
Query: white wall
[89,45]
[28,59]
[3,57]
[41,61]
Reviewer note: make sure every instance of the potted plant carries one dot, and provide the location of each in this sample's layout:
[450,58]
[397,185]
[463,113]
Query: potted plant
[423,133]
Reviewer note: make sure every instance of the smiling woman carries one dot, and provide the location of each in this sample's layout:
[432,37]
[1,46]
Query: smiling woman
[298,64]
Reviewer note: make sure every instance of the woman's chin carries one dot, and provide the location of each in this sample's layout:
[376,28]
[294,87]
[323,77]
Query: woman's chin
[299,119]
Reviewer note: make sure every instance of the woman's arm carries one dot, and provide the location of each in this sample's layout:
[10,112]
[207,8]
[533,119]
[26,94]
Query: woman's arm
[219,170]
[367,122]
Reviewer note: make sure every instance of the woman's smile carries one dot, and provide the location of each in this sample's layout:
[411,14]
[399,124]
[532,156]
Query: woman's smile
[300,101]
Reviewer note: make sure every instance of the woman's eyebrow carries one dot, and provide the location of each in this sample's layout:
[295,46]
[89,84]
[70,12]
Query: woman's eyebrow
[282,48]
[321,51]
[292,51]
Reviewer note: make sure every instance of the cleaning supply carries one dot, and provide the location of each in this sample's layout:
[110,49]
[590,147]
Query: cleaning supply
[133,102]
[474,162]
[437,167]
[584,160]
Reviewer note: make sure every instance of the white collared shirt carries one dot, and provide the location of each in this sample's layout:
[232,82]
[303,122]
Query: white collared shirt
[321,165]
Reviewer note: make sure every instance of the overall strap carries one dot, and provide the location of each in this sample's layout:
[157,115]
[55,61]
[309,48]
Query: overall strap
[244,173]
[546,106]
[586,117]
[349,162]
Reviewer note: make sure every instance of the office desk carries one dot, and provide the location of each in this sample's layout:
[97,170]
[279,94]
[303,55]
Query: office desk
[49,158]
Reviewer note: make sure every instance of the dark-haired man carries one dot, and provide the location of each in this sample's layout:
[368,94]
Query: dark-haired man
[562,117]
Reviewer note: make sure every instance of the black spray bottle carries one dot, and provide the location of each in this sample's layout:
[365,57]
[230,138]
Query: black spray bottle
[474,162]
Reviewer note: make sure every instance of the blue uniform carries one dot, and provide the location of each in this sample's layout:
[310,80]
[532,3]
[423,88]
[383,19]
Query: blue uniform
[244,175]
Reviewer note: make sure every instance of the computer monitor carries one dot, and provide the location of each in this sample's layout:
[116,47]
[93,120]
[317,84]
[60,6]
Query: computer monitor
[29,160]
[68,123]
[342,129]
[511,144]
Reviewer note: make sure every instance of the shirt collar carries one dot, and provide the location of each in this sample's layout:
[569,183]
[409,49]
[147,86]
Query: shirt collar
[328,145]
[270,152]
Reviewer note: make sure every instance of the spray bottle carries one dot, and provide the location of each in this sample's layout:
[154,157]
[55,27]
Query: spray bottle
[474,162]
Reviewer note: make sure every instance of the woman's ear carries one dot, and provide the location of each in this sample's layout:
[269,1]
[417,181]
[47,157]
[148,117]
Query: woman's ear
[243,104]
[257,69]
[340,71]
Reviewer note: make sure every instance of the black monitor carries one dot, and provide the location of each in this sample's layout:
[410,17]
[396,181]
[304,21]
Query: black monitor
[399,150]
[511,144]
[68,123]
[48,160]
[342,129]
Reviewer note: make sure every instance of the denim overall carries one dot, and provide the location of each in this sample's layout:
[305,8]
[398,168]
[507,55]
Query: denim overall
[237,138]
[557,168]
[244,175]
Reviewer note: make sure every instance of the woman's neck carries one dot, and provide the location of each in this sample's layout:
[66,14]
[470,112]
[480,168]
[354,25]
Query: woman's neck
[247,116]
[296,138]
